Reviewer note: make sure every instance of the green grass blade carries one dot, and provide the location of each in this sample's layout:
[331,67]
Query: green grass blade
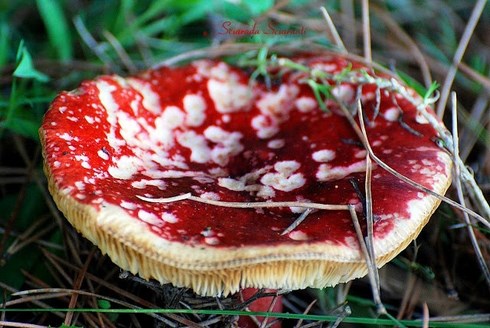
[25,67]
[57,27]
[4,43]
[293,316]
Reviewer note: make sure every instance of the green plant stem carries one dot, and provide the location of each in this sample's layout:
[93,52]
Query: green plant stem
[293,316]
[12,104]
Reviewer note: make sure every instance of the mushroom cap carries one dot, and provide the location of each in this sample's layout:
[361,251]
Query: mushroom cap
[206,129]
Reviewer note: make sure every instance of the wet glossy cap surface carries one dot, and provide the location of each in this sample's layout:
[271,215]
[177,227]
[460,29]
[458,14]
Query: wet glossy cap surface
[206,129]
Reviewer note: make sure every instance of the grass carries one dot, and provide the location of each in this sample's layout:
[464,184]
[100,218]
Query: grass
[50,276]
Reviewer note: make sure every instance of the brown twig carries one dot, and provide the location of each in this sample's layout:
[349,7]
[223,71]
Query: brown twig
[297,222]
[425,323]
[189,196]
[77,284]
[408,41]
[333,31]
[121,52]
[20,324]
[370,263]
[371,256]
[306,311]
[366,28]
[458,56]
[349,23]
[459,189]
[403,178]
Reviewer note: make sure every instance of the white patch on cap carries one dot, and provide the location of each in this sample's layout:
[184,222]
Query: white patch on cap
[111,108]
[266,192]
[125,167]
[428,172]
[324,155]
[231,184]
[360,154]
[226,91]
[248,182]
[143,183]
[229,97]
[161,133]
[195,108]
[129,128]
[221,71]
[278,103]
[203,67]
[306,104]
[276,143]
[274,108]
[128,205]
[344,93]
[151,100]
[84,159]
[89,119]
[66,136]
[368,96]
[173,174]
[103,154]
[287,167]
[298,235]
[208,232]
[211,240]
[80,185]
[172,117]
[226,118]
[328,173]
[218,171]
[210,195]
[285,179]
[266,126]
[169,217]
[325,67]
[149,218]
[415,167]
[228,144]
[200,152]
[392,114]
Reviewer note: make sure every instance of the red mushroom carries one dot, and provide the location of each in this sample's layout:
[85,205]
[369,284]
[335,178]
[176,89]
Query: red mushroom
[204,129]
[260,304]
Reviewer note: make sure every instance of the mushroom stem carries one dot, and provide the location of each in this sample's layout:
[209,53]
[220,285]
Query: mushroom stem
[261,304]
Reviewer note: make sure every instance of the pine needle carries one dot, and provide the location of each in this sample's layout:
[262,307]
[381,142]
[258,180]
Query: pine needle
[333,31]
[458,56]
[189,196]
[366,29]
[459,189]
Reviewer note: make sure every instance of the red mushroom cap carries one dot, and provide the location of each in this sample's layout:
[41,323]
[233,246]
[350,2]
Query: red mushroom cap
[207,130]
